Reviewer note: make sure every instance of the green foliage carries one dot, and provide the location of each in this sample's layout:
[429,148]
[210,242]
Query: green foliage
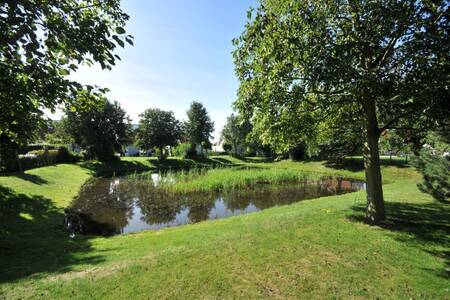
[185,150]
[367,66]
[296,74]
[234,133]
[42,44]
[298,152]
[198,127]
[434,164]
[393,144]
[31,147]
[158,129]
[46,157]
[180,149]
[58,132]
[101,131]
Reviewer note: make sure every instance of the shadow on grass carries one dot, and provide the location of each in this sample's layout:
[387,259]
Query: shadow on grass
[117,167]
[32,239]
[29,177]
[255,159]
[422,225]
[356,164]
[169,163]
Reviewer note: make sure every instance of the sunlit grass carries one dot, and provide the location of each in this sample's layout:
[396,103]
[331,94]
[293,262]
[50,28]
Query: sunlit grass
[316,249]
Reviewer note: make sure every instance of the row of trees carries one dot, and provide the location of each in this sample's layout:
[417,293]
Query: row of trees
[105,129]
[159,129]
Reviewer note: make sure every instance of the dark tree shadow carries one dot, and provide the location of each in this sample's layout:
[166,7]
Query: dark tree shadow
[180,164]
[116,167]
[222,160]
[28,177]
[425,224]
[255,160]
[356,164]
[32,238]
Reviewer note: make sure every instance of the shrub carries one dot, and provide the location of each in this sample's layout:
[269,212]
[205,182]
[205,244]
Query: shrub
[46,157]
[298,152]
[191,153]
[434,163]
[181,149]
[33,147]
[63,155]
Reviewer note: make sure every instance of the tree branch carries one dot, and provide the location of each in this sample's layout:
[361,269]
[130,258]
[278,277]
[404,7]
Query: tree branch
[392,122]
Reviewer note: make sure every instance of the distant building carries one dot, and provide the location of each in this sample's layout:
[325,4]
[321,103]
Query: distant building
[131,150]
[218,147]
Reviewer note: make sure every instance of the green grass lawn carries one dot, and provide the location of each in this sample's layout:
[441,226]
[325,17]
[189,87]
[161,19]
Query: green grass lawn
[313,249]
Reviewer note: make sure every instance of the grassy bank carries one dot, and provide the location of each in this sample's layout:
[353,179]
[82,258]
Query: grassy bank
[314,249]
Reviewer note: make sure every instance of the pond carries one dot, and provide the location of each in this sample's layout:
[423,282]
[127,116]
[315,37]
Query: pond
[109,206]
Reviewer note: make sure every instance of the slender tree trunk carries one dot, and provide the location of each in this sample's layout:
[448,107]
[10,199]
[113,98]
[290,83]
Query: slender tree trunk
[375,201]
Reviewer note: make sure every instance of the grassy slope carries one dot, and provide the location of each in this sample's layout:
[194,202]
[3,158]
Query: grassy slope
[315,249]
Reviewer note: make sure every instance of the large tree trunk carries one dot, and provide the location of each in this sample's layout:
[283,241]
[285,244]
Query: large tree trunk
[375,201]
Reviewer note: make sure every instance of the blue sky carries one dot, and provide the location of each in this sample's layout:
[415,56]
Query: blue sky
[182,52]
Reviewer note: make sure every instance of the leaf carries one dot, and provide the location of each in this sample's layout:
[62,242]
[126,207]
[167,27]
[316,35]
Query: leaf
[120,30]
[129,41]
[118,40]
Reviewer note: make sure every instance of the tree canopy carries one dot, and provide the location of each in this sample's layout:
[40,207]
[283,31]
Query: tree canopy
[198,126]
[374,64]
[102,131]
[158,129]
[42,43]
[235,133]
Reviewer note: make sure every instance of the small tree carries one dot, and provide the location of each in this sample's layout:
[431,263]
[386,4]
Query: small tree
[234,133]
[103,130]
[198,126]
[158,129]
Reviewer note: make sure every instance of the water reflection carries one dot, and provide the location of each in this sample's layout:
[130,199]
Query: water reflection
[119,205]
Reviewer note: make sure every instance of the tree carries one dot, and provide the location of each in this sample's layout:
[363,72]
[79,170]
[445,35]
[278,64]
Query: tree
[42,43]
[58,132]
[385,63]
[198,126]
[235,133]
[392,143]
[102,131]
[158,129]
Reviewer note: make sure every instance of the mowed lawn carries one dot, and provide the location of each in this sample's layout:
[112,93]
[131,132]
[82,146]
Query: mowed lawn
[315,249]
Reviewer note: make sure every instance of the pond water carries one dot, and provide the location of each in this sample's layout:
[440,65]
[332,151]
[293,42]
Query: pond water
[109,206]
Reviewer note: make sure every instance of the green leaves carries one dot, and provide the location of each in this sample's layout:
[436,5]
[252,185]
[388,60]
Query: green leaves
[198,126]
[54,37]
[158,129]
[338,53]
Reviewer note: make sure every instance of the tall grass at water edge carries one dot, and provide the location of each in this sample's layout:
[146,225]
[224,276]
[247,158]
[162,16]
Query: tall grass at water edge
[201,180]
